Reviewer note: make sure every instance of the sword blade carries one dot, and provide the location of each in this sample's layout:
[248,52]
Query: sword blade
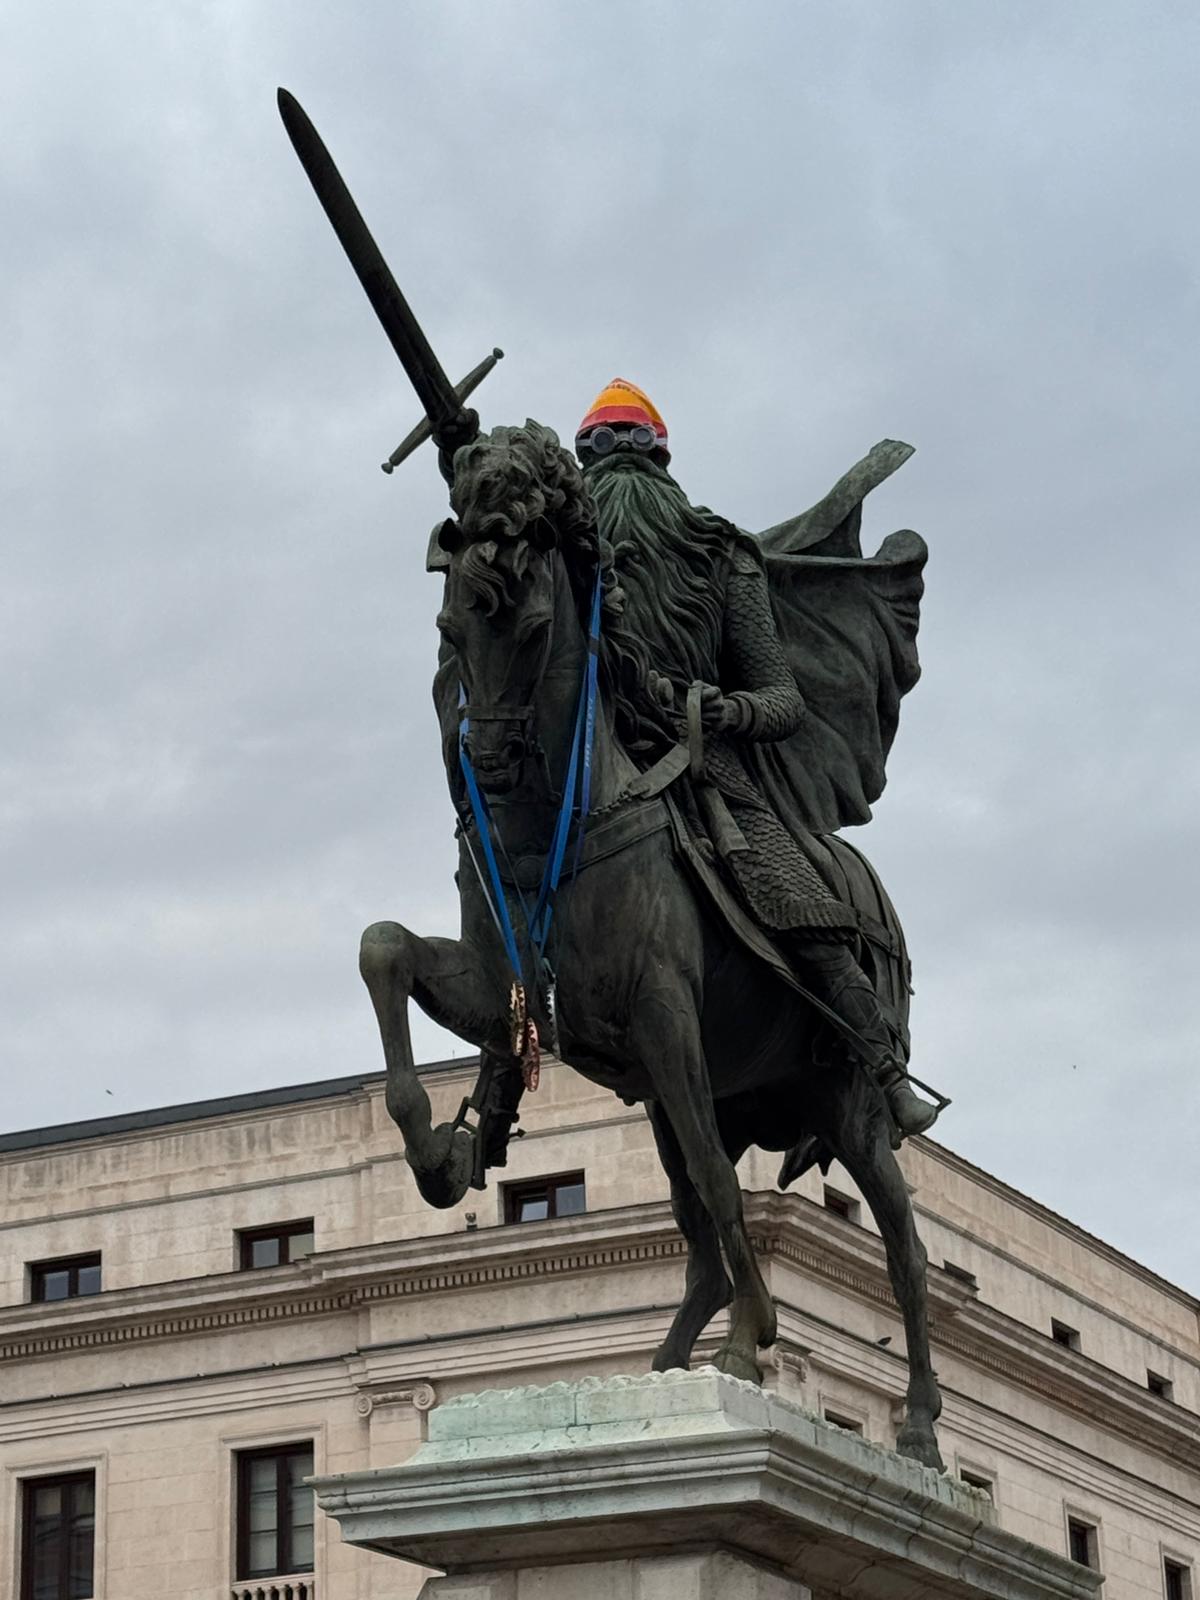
[434,390]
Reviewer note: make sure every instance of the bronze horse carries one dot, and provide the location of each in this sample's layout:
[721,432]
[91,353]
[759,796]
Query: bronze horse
[656,998]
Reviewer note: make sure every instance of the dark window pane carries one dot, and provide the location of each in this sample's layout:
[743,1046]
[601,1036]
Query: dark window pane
[1083,1542]
[299,1244]
[47,1501]
[89,1280]
[302,1549]
[274,1512]
[262,1555]
[1178,1581]
[264,1252]
[59,1534]
[56,1285]
[82,1540]
[533,1208]
[569,1200]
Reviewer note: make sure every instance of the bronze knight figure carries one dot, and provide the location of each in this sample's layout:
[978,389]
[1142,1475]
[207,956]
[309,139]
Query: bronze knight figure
[655,728]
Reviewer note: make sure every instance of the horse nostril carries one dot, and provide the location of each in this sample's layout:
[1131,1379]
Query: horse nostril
[514,749]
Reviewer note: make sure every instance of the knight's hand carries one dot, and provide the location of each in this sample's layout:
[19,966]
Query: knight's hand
[716,713]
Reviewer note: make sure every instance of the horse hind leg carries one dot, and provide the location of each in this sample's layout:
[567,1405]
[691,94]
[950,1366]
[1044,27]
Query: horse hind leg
[666,1036]
[449,982]
[707,1289]
[860,1138]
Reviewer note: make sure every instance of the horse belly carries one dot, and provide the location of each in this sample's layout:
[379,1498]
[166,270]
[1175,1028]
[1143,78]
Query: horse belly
[755,1030]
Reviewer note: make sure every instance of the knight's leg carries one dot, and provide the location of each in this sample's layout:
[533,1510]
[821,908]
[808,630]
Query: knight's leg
[829,968]
[708,1289]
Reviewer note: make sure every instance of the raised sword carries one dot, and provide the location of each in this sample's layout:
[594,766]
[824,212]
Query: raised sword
[450,422]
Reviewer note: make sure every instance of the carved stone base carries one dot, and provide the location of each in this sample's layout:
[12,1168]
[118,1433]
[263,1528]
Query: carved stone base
[680,1486]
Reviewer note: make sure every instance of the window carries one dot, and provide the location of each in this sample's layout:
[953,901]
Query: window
[1157,1384]
[1082,1543]
[960,1274]
[545,1197]
[274,1511]
[978,1480]
[65,1278]
[58,1537]
[273,1247]
[1062,1334]
[1177,1580]
[841,1205]
[839,1420]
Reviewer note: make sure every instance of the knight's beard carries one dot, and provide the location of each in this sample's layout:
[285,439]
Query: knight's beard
[670,558]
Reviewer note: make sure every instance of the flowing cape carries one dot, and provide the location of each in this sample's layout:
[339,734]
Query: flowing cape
[849,626]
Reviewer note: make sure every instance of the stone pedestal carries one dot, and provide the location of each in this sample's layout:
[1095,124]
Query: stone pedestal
[680,1486]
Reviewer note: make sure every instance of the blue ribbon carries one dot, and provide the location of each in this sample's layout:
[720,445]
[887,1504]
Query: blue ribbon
[578,778]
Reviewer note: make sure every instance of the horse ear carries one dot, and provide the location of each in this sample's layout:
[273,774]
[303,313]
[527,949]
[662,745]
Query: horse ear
[449,536]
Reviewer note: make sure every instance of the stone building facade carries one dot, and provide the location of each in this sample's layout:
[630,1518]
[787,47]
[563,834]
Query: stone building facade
[274,1298]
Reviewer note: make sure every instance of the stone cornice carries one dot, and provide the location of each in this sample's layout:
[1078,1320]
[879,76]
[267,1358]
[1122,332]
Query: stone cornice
[340,1281]
[1053,1219]
[788,1228]
[977,1333]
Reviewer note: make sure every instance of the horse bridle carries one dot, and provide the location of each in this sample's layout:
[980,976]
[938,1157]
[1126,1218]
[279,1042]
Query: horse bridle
[471,713]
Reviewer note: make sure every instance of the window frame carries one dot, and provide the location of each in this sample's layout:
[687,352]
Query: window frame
[1090,1525]
[280,1454]
[979,1478]
[72,1266]
[962,1275]
[247,1238]
[1064,1335]
[842,1205]
[1161,1387]
[1184,1568]
[514,1194]
[29,1487]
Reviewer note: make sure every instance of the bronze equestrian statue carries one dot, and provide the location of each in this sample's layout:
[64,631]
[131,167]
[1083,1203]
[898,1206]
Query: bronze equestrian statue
[653,725]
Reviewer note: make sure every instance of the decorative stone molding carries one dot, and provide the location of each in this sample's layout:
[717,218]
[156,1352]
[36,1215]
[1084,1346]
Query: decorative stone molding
[421,1396]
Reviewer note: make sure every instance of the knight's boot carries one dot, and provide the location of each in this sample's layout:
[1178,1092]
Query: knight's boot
[859,1005]
[910,1113]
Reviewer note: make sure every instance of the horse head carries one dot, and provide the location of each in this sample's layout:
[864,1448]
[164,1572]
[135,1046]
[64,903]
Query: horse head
[520,505]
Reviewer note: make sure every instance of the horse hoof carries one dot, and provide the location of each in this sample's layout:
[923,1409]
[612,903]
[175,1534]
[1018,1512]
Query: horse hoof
[737,1364]
[668,1360]
[920,1444]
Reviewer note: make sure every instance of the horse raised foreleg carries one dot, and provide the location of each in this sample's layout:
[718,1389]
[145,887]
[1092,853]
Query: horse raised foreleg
[708,1289]
[864,1146]
[451,985]
[666,1035]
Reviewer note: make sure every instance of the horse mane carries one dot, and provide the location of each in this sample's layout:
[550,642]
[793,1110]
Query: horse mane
[517,491]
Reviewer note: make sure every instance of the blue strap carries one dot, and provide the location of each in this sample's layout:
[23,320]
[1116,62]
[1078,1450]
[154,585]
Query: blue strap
[578,778]
[497,904]
[591,682]
[581,757]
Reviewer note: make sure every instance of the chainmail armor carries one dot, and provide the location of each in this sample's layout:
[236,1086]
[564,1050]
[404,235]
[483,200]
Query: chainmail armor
[780,884]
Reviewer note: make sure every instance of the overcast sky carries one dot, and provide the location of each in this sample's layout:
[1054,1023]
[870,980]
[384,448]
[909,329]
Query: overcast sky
[802,228]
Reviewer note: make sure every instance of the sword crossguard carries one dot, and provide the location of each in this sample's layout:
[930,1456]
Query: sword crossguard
[461,431]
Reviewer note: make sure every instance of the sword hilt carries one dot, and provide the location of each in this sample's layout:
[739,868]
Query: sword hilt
[424,428]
